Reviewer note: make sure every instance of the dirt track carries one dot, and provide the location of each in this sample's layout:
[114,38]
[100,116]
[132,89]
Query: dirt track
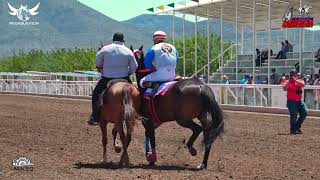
[54,135]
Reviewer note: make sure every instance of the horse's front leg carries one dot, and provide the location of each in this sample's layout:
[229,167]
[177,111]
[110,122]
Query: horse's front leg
[150,139]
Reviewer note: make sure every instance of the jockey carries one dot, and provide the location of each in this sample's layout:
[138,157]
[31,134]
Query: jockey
[162,58]
[114,61]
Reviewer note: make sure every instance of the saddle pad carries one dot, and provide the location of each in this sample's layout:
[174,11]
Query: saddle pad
[162,90]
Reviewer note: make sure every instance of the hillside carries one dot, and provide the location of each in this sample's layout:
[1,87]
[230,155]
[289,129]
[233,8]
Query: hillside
[62,24]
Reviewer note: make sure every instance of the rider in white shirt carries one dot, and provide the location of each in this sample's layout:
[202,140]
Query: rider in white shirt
[163,57]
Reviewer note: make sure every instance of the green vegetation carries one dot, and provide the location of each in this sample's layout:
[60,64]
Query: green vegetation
[67,60]
[61,60]
[202,54]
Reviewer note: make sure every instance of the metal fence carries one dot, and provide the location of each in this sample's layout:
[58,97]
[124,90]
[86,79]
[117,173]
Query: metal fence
[232,94]
[52,87]
[262,95]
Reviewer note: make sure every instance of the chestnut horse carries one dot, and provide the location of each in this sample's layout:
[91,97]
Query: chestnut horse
[119,104]
[188,99]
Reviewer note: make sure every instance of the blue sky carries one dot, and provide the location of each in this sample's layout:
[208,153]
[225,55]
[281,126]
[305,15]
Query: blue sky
[126,9]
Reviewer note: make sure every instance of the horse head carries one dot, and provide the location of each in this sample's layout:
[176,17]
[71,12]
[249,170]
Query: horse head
[139,55]
[101,46]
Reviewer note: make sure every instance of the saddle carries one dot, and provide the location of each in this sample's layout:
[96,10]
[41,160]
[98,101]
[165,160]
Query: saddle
[157,88]
[109,84]
[154,89]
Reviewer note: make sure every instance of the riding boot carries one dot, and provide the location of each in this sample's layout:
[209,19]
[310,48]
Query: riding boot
[155,87]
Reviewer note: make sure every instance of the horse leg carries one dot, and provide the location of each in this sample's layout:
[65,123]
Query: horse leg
[150,137]
[116,143]
[103,127]
[196,130]
[128,140]
[206,126]
[124,157]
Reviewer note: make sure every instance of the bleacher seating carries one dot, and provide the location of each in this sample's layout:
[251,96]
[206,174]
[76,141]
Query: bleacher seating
[246,64]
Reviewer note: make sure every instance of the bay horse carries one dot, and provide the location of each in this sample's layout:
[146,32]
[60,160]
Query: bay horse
[119,104]
[186,100]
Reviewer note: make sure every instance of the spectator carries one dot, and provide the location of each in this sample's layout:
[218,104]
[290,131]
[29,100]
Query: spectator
[282,79]
[245,79]
[317,55]
[297,66]
[315,79]
[273,77]
[282,52]
[307,80]
[317,91]
[258,59]
[250,79]
[258,80]
[294,87]
[225,79]
[289,46]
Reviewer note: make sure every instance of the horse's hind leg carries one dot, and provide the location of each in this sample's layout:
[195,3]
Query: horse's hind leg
[103,127]
[116,143]
[206,126]
[196,130]
[124,157]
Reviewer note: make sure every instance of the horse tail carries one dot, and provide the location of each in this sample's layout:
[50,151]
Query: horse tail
[215,116]
[129,113]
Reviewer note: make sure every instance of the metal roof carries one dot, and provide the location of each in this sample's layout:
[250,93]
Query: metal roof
[213,9]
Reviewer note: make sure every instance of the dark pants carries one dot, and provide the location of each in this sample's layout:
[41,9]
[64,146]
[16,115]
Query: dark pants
[281,55]
[102,84]
[294,108]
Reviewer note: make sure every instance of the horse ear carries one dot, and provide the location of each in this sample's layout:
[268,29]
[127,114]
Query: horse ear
[141,47]
[131,48]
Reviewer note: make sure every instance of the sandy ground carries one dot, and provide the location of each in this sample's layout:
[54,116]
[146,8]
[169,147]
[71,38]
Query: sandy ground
[53,134]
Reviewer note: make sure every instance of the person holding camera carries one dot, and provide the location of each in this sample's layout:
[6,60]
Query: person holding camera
[294,87]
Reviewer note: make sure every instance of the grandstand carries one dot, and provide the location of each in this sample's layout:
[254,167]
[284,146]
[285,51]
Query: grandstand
[245,67]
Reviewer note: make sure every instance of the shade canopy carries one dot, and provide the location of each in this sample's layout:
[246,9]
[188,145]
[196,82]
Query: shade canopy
[213,9]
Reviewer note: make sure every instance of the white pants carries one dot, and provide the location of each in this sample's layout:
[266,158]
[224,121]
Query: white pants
[161,74]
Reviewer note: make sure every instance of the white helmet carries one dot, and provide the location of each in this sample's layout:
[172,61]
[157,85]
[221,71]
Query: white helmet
[159,35]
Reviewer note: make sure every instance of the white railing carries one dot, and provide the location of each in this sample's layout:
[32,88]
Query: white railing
[53,87]
[232,56]
[233,94]
[262,95]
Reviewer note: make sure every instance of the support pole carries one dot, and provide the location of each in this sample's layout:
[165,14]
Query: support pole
[254,49]
[208,49]
[221,41]
[184,45]
[236,42]
[301,45]
[173,27]
[269,40]
[242,37]
[254,38]
[195,42]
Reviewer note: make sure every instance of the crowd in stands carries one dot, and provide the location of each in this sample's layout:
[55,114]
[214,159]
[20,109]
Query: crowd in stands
[313,79]
[262,56]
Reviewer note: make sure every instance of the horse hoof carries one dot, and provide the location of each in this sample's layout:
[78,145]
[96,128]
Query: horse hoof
[117,149]
[104,160]
[192,151]
[201,167]
[149,157]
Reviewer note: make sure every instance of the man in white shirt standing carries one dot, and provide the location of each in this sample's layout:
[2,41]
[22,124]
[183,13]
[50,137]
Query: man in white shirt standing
[114,61]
